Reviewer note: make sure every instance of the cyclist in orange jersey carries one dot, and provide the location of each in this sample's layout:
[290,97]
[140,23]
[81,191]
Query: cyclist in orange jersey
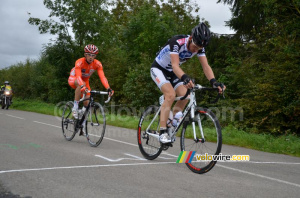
[81,73]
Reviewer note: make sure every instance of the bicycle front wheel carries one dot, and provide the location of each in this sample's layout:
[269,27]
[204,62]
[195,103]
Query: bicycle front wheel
[148,132]
[68,122]
[208,144]
[95,124]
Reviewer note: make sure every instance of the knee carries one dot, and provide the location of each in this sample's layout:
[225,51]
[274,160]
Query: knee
[77,85]
[170,97]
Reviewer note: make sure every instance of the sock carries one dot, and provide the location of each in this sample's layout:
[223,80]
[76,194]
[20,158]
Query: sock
[162,130]
[76,104]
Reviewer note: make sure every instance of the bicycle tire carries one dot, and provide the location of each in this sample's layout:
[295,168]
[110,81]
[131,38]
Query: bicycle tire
[211,145]
[95,124]
[149,146]
[68,122]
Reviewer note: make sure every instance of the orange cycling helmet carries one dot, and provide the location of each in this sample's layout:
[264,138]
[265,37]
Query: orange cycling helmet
[91,49]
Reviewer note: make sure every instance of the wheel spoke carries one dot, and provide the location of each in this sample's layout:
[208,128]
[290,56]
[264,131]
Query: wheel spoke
[95,125]
[212,144]
[149,146]
[68,122]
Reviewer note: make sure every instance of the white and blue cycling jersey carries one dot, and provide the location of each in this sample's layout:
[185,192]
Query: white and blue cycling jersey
[175,45]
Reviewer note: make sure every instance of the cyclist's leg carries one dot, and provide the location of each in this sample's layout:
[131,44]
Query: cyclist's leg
[169,95]
[167,89]
[160,78]
[87,84]
[180,104]
[74,84]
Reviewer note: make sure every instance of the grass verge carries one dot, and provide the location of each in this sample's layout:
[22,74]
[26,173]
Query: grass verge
[289,144]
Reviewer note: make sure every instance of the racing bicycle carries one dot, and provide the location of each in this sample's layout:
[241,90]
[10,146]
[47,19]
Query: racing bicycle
[90,122]
[201,131]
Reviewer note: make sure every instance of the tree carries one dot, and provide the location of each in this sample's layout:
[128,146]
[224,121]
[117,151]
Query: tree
[148,28]
[87,20]
[270,69]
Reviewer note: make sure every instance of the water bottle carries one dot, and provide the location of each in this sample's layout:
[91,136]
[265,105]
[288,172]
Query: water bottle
[176,119]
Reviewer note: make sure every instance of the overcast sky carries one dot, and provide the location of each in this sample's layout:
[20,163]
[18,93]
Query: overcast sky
[19,40]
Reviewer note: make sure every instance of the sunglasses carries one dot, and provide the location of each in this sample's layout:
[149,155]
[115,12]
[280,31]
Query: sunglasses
[92,55]
[196,45]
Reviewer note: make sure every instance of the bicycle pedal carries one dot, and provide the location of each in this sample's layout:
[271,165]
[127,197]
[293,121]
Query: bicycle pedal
[166,146]
[169,144]
[152,131]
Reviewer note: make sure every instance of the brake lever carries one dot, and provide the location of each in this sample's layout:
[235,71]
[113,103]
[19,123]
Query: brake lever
[223,92]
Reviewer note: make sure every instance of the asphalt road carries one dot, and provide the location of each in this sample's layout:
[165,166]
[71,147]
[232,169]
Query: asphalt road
[36,161]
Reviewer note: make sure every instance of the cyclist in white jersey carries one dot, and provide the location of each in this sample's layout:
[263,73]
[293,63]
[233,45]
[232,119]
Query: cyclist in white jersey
[171,79]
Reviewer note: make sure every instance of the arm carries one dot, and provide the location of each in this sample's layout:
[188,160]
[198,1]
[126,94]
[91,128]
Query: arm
[102,77]
[206,68]
[175,65]
[78,73]
[179,72]
[210,74]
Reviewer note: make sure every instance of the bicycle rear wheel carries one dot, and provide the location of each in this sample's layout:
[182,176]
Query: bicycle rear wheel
[210,145]
[149,146]
[95,125]
[68,122]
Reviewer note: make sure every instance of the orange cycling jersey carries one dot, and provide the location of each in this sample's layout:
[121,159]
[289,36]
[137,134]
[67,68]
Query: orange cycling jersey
[83,71]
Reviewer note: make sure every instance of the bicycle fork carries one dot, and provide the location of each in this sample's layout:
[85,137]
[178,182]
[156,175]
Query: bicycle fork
[198,120]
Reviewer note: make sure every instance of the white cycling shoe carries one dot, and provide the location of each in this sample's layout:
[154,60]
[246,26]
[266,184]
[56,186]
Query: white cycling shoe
[164,138]
[75,113]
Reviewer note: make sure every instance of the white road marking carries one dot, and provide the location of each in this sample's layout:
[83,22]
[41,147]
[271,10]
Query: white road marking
[261,176]
[253,162]
[15,117]
[165,153]
[175,156]
[91,166]
[134,156]
[157,163]
[167,157]
[120,141]
[119,159]
[47,124]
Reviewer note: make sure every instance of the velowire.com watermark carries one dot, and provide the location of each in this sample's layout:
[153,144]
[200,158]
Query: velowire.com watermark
[189,156]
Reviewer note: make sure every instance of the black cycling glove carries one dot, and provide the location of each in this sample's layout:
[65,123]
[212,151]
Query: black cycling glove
[215,84]
[185,79]
[110,91]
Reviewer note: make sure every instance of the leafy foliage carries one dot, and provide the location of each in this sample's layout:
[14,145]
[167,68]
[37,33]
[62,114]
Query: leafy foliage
[269,73]
[260,64]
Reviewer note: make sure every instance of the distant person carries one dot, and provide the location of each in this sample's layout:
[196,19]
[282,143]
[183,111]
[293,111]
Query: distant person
[7,87]
[3,86]
[171,79]
[81,73]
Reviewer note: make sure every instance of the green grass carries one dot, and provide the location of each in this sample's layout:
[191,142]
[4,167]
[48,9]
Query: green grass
[289,145]
[33,106]
[285,144]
